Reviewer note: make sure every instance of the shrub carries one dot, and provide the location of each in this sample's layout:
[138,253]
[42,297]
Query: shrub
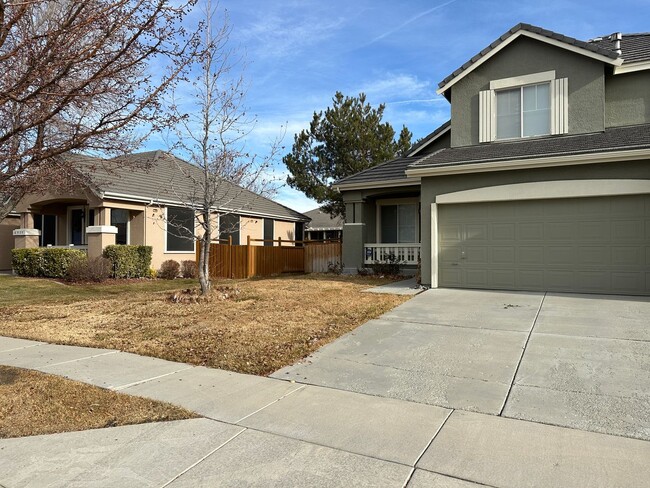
[335,268]
[43,261]
[388,267]
[152,273]
[129,261]
[363,271]
[84,270]
[169,270]
[189,269]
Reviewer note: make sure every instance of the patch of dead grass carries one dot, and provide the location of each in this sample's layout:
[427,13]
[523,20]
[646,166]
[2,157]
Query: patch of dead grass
[34,403]
[271,323]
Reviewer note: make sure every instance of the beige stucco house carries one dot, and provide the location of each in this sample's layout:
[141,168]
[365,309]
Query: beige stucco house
[141,201]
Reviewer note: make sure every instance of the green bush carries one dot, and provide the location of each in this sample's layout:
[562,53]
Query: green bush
[43,261]
[388,267]
[129,261]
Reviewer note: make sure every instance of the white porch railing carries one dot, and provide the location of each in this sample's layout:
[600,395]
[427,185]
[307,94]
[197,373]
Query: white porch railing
[405,253]
[71,246]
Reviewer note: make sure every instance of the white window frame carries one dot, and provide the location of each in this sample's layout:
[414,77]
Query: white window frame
[559,104]
[167,251]
[397,201]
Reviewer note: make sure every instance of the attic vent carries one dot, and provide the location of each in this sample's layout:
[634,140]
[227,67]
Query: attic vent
[616,39]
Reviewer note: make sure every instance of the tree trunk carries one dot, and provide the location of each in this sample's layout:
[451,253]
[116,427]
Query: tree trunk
[204,256]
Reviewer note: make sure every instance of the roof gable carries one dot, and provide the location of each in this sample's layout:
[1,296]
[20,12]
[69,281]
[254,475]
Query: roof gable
[591,50]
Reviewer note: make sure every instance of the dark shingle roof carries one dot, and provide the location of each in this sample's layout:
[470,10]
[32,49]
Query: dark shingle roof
[159,176]
[390,170]
[429,137]
[612,139]
[634,47]
[323,221]
[589,46]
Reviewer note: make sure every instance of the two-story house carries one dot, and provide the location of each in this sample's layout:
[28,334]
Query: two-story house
[540,180]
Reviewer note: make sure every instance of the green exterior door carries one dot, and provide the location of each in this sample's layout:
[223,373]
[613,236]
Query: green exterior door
[588,245]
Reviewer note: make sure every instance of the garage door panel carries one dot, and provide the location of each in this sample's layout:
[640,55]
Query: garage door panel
[530,231]
[627,256]
[530,279]
[477,255]
[527,255]
[599,245]
[564,255]
[502,278]
[593,255]
[477,232]
[559,231]
[502,232]
[477,278]
[503,255]
[627,282]
[625,230]
[594,231]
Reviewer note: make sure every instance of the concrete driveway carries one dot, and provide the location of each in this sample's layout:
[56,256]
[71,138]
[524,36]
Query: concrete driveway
[579,361]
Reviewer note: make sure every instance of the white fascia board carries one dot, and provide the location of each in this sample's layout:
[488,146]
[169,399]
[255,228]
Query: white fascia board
[162,201]
[632,67]
[532,35]
[440,134]
[378,184]
[515,164]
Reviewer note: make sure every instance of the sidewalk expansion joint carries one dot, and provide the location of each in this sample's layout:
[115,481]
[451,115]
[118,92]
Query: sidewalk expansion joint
[521,356]
[435,434]
[139,382]
[22,347]
[204,458]
[80,359]
[269,404]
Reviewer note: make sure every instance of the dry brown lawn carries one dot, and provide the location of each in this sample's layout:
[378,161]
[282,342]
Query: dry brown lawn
[271,323]
[33,403]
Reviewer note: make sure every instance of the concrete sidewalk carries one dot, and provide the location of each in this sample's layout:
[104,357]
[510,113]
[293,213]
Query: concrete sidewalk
[268,432]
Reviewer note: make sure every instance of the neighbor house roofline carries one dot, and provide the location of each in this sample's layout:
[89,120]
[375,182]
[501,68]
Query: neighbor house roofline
[161,201]
[569,43]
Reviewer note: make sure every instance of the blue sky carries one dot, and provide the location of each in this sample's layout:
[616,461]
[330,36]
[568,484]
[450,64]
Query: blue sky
[300,52]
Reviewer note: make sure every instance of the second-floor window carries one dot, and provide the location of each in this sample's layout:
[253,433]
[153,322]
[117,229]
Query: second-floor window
[524,111]
[524,106]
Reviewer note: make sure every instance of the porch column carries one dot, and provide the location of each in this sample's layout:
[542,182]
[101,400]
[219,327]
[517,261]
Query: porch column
[99,236]
[26,237]
[354,238]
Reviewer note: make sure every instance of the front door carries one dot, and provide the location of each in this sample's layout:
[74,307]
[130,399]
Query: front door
[77,226]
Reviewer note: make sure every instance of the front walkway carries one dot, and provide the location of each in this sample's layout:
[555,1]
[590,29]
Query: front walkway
[268,432]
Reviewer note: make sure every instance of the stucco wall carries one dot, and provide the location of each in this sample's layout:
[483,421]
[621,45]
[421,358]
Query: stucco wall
[627,99]
[155,236]
[7,227]
[433,186]
[526,56]
[253,227]
[284,230]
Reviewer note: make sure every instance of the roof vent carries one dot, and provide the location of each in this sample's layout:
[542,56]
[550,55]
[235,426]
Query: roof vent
[616,39]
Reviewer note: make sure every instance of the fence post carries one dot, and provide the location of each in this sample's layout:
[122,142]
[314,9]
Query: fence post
[231,274]
[249,257]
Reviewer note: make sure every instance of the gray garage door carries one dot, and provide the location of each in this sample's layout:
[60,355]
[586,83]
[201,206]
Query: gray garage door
[593,245]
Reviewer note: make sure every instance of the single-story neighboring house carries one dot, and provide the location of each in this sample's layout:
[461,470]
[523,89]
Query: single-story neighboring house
[540,181]
[323,226]
[142,202]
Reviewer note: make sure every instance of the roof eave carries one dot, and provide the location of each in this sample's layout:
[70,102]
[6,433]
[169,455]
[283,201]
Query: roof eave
[435,138]
[533,35]
[531,163]
[369,185]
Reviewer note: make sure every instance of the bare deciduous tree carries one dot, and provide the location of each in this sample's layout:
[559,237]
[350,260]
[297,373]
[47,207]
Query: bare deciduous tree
[211,135]
[81,75]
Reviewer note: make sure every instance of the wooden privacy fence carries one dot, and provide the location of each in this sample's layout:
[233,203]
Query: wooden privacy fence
[245,261]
